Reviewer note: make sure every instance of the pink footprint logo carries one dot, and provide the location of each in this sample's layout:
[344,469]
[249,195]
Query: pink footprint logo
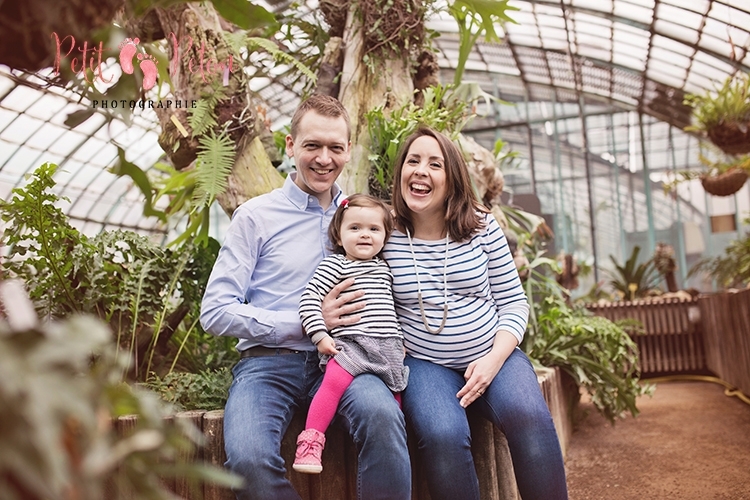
[129,48]
[148,66]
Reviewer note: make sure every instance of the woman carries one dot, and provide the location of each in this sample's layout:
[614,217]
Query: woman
[463,312]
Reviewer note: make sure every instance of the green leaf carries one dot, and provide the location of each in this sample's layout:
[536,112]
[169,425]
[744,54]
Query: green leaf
[280,56]
[244,14]
[489,12]
[127,88]
[124,167]
[201,118]
[77,117]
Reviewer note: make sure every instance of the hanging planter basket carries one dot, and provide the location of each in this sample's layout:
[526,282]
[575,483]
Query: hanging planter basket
[726,183]
[731,137]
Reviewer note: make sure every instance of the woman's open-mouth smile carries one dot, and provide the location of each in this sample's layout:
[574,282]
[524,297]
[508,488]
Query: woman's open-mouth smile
[419,188]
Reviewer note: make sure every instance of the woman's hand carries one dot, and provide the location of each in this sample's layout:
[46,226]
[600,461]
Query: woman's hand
[481,372]
[336,305]
[327,346]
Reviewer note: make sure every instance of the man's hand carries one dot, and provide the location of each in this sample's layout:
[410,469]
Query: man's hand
[327,346]
[336,305]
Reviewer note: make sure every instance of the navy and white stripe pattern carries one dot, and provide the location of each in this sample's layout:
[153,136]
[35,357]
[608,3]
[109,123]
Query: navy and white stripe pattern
[373,276]
[485,294]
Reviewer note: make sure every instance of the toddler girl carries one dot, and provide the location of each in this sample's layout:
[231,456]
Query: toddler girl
[375,345]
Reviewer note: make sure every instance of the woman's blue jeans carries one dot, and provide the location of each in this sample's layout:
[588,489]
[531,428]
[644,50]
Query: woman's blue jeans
[264,395]
[513,402]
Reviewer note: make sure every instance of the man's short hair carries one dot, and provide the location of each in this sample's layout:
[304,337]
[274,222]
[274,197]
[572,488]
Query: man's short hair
[323,105]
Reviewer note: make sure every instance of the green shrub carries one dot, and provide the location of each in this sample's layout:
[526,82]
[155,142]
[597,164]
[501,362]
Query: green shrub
[149,295]
[634,280]
[597,353]
[387,133]
[205,390]
[732,269]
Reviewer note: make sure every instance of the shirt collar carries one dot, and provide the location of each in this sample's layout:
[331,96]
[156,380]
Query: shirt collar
[301,199]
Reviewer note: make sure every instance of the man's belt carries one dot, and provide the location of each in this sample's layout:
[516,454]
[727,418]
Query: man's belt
[266,351]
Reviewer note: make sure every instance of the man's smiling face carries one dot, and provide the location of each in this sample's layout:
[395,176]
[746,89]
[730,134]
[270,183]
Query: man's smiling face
[320,150]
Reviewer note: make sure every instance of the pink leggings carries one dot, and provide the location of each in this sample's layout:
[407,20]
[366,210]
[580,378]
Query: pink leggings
[326,400]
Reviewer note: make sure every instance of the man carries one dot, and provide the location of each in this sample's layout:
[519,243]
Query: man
[270,252]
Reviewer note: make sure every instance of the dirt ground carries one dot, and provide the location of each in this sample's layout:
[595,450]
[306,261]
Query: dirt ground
[690,441]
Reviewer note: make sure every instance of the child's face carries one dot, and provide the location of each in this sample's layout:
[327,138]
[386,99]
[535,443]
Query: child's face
[362,232]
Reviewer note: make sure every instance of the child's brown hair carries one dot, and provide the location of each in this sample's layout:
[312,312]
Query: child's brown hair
[357,200]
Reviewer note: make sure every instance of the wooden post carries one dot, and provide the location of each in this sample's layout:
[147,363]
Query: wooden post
[483,451]
[125,427]
[213,453]
[506,477]
[184,487]
[169,481]
[339,478]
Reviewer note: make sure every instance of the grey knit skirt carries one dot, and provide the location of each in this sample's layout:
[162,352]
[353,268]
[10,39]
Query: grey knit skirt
[381,356]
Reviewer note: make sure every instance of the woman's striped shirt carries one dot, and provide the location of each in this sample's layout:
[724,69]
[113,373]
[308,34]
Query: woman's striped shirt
[485,294]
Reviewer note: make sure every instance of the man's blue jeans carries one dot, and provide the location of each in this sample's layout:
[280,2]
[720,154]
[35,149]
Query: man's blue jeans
[513,402]
[266,392]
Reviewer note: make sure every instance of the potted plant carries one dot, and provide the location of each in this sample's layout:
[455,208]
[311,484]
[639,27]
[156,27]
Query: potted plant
[719,178]
[724,115]
[633,280]
[725,179]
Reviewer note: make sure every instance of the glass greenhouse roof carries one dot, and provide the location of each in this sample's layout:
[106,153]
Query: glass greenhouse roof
[577,75]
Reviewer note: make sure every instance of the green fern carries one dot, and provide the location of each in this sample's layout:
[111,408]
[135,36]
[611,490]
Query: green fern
[202,117]
[38,231]
[279,55]
[235,40]
[213,166]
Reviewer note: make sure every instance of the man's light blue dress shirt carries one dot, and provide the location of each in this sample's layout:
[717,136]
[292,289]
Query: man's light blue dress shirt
[270,252]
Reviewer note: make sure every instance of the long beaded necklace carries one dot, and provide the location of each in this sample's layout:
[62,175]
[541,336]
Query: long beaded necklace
[419,287]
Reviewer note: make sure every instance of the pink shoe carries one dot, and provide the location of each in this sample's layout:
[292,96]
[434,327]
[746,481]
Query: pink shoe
[310,443]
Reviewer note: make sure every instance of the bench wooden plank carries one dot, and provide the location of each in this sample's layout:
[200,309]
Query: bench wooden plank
[339,478]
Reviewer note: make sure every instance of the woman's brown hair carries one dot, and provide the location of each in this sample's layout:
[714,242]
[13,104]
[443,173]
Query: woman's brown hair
[357,200]
[462,209]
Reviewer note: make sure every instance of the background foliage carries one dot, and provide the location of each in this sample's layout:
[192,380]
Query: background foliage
[60,389]
[149,295]
[599,354]
[732,269]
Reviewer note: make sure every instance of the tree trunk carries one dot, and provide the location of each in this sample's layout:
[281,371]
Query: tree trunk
[198,35]
[391,87]
[488,179]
